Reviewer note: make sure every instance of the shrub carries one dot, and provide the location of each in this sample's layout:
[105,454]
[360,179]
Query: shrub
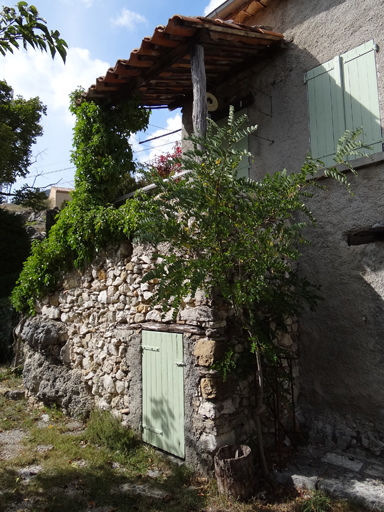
[105,430]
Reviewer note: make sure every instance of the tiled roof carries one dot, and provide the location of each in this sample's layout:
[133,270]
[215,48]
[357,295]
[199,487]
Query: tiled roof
[160,68]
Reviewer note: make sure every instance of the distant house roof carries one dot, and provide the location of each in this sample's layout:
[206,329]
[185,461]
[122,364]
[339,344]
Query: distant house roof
[160,69]
[62,189]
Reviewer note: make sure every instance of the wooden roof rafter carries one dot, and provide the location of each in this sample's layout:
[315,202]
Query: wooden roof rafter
[162,63]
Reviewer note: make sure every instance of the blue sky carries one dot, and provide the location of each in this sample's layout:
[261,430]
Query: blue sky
[98,32]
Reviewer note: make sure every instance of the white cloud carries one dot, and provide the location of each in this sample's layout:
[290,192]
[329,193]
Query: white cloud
[159,146]
[212,5]
[36,74]
[128,19]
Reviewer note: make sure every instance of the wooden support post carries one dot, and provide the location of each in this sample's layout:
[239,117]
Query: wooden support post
[199,84]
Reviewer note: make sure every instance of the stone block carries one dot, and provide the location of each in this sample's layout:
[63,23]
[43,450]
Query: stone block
[207,351]
[103,297]
[111,291]
[153,316]
[284,340]
[101,275]
[143,308]
[109,385]
[196,315]
[51,312]
[214,387]
[120,387]
[207,410]
[54,299]
[139,318]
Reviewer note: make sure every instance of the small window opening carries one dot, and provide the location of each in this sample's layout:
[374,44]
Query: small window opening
[366,236]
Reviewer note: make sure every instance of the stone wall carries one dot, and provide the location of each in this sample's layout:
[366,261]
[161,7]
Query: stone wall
[83,349]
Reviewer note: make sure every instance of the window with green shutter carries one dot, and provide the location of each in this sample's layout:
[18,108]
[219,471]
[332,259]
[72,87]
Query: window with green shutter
[343,94]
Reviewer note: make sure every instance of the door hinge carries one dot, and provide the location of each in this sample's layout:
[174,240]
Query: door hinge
[151,429]
[180,364]
[147,347]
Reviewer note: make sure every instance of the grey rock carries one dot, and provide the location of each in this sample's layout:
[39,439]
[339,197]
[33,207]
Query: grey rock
[44,448]
[16,394]
[155,473]
[29,472]
[305,482]
[40,333]
[142,490]
[56,384]
[344,462]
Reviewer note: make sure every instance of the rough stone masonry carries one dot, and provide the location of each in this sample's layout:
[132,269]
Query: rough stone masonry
[82,349]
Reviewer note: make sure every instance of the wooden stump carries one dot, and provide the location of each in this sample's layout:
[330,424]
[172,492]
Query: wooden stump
[234,471]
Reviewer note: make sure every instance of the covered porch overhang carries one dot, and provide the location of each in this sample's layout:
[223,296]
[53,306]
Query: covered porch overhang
[169,68]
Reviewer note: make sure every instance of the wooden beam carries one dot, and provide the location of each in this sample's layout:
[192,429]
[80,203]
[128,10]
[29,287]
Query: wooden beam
[199,87]
[237,32]
[171,58]
[162,327]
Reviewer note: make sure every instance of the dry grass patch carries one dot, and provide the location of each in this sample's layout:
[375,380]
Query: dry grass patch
[102,467]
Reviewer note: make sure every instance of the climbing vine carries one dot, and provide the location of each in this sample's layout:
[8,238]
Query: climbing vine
[102,156]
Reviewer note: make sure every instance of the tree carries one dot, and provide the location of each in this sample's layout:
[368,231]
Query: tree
[19,128]
[20,118]
[23,23]
[91,221]
[31,197]
[236,235]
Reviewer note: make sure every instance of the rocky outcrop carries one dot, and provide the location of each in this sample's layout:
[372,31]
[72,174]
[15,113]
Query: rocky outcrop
[53,383]
[44,335]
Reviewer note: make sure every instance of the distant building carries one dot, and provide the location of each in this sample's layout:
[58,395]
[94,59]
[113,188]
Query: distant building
[59,194]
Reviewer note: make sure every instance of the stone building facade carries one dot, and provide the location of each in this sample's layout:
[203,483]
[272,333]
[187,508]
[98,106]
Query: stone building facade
[341,343]
[84,348]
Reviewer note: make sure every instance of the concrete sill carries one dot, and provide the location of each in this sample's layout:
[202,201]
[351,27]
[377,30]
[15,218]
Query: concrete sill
[359,163]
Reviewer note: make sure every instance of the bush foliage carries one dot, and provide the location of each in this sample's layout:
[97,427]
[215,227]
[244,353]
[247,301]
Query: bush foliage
[102,156]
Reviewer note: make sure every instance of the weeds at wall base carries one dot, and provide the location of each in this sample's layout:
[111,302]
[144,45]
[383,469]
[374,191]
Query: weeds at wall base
[80,475]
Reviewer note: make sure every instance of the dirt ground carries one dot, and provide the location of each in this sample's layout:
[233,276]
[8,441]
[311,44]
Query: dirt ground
[50,462]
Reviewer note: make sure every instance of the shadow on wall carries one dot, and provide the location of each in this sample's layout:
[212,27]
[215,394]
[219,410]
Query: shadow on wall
[286,13]
[342,343]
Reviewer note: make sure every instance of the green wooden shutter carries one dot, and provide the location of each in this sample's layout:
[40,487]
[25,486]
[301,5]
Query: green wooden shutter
[243,167]
[343,94]
[326,109]
[163,391]
[361,99]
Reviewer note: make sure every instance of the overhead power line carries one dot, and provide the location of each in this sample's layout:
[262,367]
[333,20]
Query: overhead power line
[155,147]
[160,136]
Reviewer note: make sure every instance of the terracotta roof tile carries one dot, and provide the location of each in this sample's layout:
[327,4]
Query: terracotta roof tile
[160,68]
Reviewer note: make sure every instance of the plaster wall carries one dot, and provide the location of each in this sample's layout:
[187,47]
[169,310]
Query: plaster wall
[342,343]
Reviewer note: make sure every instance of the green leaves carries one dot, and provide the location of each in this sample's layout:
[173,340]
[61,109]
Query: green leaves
[89,223]
[19,127]
[24,24]
[236,235]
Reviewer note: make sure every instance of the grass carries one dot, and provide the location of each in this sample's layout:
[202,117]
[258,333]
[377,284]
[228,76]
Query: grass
[97,466]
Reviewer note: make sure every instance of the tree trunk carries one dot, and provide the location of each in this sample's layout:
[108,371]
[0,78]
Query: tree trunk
[199,85]
[235,472]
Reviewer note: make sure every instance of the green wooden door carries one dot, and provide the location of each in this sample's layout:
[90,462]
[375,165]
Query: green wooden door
[163,391]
